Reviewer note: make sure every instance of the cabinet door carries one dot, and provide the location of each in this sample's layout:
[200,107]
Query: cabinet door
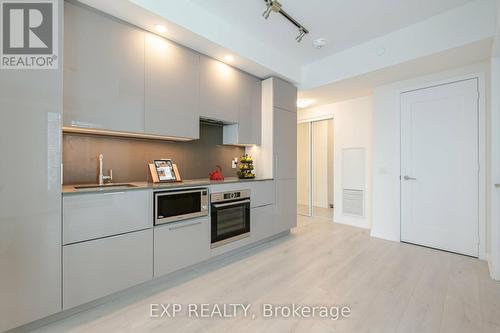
[172,89]
[284,95]
[249,114]
[94,215]
[98,268]
[181,244]
[285,144]
[219,90]
[286,205]
[261,220]
[103,72]
[263,193]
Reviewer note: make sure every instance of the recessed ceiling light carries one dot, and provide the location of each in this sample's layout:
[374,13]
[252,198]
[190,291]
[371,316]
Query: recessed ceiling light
[161,28]
[229,58]
[304,103]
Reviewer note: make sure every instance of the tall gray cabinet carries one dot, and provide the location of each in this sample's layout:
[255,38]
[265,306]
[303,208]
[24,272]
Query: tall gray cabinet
[30,193]
[279,149]
[248,129]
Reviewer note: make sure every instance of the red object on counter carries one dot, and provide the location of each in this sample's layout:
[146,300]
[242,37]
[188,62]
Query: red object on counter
[217,173]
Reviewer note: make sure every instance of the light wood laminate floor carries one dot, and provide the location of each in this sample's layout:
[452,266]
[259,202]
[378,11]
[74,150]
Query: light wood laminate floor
[322,212]
[390,287]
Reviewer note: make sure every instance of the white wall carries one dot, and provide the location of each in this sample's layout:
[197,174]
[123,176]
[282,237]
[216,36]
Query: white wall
[386,149]
[352,122]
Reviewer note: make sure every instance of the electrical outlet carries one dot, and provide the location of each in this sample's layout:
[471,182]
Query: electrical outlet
[234,163]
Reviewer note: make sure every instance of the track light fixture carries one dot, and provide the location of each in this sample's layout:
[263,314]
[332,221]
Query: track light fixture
[272,6]
[275,6]
[301,35]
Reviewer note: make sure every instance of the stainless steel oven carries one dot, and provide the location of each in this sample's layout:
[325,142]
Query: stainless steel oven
[176,205]
[230,214]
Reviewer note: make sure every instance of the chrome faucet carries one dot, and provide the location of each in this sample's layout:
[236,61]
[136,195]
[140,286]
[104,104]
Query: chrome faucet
[104,179]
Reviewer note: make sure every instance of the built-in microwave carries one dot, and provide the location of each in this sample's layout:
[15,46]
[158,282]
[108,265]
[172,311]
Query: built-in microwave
[230,215]
[176,205]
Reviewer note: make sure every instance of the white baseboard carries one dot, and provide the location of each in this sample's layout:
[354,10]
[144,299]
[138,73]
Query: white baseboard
[384,237]
[355,222]
[494,269]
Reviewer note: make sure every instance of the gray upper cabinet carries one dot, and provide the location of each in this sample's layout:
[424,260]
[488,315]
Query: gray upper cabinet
[219,90]
[284,95]
[250,110]
[172,89]
[248,129]
[103,72]
[249,113]
[124,79]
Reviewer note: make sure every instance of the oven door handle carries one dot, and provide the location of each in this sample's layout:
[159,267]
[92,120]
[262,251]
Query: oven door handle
[232,203]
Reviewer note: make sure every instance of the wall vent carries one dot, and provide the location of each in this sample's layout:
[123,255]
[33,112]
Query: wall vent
[353,202]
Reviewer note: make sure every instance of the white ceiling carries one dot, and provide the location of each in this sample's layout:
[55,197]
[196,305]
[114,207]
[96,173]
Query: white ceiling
[344,23]
[363,85]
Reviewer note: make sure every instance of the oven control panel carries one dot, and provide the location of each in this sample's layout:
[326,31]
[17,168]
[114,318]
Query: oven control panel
[232,195]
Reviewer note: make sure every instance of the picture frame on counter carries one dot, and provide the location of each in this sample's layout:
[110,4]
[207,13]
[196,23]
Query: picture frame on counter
[164,171]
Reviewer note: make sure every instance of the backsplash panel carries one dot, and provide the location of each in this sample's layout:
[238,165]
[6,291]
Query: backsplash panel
[129,157]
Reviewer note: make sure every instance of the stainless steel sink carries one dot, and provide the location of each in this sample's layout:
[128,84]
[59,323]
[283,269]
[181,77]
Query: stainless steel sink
[103,187]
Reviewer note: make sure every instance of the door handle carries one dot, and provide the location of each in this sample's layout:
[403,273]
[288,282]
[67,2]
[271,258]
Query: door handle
[232,203]
[113,193]
[185,225]
[409,178]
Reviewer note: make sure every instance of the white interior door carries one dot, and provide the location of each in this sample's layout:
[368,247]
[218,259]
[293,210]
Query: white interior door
[440,167]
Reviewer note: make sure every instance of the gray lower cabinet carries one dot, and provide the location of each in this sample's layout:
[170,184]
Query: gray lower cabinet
[181,244]
[286,205]
[103,72]
[219,90]
[261,222]
[98,268]
[262,193]
[96,215]
[172,89]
